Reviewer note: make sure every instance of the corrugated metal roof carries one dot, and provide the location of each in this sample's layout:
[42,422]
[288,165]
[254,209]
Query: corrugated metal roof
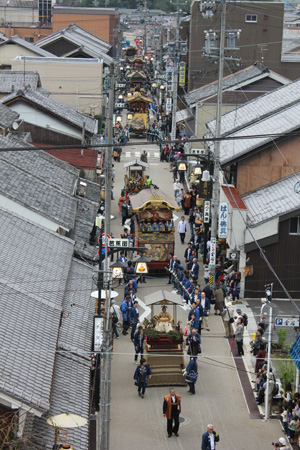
[66,112]
[211,89]
[233,197]
[19,4]
[283,122]
[11,80]
[257,109]
[273,200]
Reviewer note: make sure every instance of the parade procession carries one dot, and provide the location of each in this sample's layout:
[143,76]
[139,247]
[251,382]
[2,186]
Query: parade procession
[149,217]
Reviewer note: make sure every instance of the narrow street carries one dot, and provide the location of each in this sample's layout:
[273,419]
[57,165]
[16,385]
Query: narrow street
[219,398]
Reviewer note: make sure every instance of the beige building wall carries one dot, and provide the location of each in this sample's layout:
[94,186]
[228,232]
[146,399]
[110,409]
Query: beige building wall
[77,82]
[9,52]
[205,113]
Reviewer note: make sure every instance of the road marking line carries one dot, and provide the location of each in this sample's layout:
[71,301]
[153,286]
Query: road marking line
[127,154]
[156,155]
[147,309]
[137,154]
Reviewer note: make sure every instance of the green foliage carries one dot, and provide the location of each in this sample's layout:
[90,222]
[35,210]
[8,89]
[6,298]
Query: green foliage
[281,333]
[101,123]
[151,333]
[287,371]
[174,336]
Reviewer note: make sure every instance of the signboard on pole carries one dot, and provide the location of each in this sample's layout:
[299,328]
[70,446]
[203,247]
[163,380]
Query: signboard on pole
[206,211]
[170,65]
[98,333]
[182,74]
[223,220]
[213,251]
[118,243]
[169,104]
[287,322]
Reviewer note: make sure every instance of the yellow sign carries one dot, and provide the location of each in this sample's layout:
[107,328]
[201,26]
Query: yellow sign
[182,74]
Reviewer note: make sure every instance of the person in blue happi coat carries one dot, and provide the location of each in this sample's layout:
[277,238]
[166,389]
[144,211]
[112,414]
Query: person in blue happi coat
[141,376]
[134,318]
[125,309]
[192,375]
[138,342]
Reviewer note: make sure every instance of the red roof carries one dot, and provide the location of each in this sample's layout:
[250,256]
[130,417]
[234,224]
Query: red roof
[234,197]
[87,161]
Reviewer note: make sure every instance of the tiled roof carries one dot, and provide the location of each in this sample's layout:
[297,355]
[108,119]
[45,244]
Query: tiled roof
[39,164]
[33,48]
[11,80]
[77,322]
[70,393]
[85,218]
[87,42]
[7,116]
[37,195]
[34,266]
[273,200]
[285,121]
[62,110]
[239,77]
[259,108]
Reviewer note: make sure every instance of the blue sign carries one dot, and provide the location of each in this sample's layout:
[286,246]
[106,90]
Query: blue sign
[278,321]
[295,352]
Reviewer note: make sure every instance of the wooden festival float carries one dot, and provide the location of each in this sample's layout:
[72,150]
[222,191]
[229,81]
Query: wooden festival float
[135,179]
[164,340]
[154,228]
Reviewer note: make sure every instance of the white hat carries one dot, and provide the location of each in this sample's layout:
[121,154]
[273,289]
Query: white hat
[282,441]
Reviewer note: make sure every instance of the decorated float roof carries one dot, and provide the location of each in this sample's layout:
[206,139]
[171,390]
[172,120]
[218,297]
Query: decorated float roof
[136,162]
[162,297]
[137,60]
[154,199]
[137,97]
[137,74]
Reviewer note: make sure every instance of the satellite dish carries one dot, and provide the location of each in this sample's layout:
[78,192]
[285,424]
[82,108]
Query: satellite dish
[15,125]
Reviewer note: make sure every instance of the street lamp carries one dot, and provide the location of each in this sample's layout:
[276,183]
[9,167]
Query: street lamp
[117,269]
[119,119]
[120,97]
[154,85]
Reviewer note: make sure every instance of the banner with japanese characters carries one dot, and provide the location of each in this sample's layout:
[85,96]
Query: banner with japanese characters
[223,220]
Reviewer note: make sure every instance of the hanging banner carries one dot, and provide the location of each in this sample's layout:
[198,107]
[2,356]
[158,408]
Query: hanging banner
[206,211]
[182,74]
[170,65]
[213,251]
[223,220]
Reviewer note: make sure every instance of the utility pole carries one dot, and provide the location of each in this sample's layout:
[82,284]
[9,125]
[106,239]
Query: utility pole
[175,76]
[105,380]
[145,28]
[109,150]
[269,290]
[216,184]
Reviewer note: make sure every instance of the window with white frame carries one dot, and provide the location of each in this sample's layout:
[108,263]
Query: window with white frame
[295,225]
[251,18]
